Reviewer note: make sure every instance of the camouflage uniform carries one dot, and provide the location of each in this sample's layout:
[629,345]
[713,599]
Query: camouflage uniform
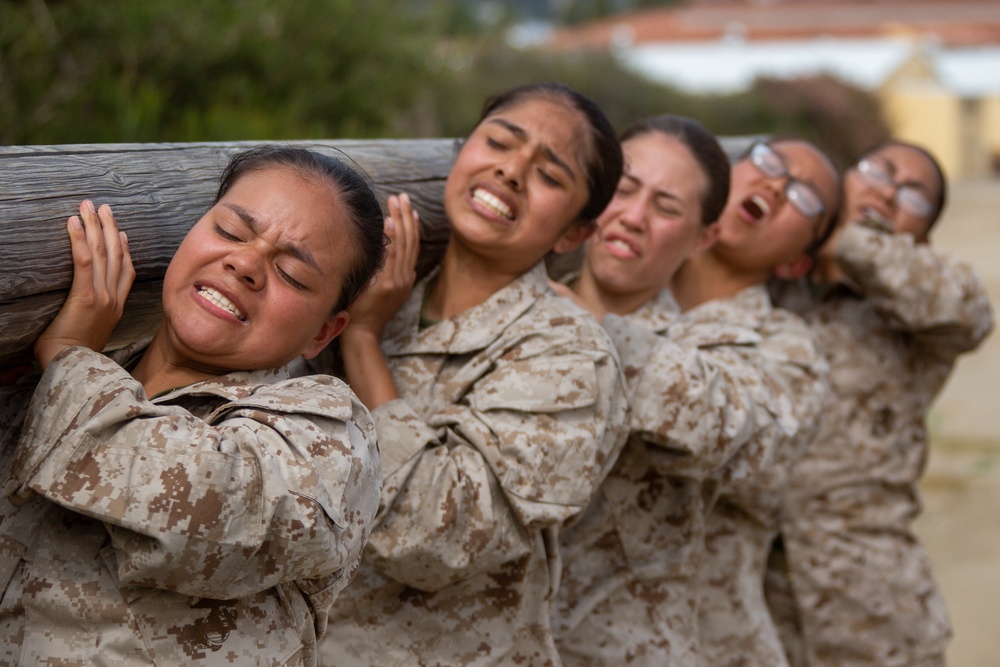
[511,414]
[214,524]
[862,583]
[704,411]
[734,622]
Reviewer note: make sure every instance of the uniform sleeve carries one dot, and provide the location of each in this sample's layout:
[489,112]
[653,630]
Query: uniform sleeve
[525,448]
[794,373]
[699,398]
[280,485]
[928,293]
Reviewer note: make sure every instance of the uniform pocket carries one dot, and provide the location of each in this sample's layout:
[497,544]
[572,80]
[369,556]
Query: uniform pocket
[181,630]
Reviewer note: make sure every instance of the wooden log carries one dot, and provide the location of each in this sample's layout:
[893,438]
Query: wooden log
[158,191]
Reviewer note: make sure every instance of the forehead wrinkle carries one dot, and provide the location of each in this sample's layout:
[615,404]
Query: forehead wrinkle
[547,152]
[295,250]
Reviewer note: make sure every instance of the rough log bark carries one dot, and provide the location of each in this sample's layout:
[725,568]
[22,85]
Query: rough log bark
[157,192]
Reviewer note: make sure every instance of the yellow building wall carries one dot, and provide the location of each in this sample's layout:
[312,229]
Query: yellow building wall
[930,117]
[963,134]
[991,132]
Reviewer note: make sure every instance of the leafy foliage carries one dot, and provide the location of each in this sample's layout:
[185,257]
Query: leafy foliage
[170,70]
[74,71]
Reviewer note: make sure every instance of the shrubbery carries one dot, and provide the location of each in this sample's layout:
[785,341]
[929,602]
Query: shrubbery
[78,71]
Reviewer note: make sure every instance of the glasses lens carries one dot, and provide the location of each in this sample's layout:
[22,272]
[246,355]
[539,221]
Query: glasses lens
[804,199]
[767,161]
[874,174]
[913,202]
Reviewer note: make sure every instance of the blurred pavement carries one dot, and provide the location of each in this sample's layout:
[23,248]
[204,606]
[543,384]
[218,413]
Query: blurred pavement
[961,522]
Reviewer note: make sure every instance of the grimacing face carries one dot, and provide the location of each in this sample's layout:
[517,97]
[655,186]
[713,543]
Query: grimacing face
[654,221]
[519,183]
[761,230]
[253,284]
[906,167]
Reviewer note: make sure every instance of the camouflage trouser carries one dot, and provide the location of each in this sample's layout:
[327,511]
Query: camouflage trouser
[780,595]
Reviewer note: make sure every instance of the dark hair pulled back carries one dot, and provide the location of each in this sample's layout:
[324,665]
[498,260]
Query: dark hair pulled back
[354,192]
[604,152]
[706,151]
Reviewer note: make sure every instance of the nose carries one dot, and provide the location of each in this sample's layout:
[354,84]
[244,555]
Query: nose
[511,170]
[633,214]
[887,191]
[246,263]
[778,185]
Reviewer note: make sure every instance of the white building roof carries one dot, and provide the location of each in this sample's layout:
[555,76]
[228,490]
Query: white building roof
[970,72]
[731,65]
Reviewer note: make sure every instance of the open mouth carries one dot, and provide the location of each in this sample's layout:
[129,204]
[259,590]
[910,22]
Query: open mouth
[493,203]
[875,215]
[216,298]
[756,208]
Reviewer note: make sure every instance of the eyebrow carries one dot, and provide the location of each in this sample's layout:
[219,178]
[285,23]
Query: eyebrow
[813,185]
[657,192]
[549,154]
[296,251]
[913,183]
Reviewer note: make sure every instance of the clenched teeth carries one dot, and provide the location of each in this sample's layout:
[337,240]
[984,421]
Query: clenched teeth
[492,202]
[221,301]
[618,243]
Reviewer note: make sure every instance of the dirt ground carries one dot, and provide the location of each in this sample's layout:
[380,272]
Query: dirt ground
[961,522]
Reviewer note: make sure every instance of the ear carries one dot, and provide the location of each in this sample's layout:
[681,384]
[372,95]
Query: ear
[707,237]
[332,327]
[794,269]
[573,237]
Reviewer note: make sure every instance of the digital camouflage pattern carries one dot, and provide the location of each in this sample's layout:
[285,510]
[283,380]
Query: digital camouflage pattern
[511,414]
[734,622]
[861,582]
[702,413]
[212,525]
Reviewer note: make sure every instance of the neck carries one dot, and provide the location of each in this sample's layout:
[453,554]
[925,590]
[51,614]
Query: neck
[602,300]
[157,372]
[704,278]
[465,281]
[827,270]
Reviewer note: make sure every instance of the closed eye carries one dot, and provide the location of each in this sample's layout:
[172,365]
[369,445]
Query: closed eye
[226,235]
[549,179]
[288,279]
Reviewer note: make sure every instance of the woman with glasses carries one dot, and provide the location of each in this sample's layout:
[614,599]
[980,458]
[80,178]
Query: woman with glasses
[782,204]
[892,315]
[709,401]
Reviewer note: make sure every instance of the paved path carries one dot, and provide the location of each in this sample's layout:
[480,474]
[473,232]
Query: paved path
[961,522]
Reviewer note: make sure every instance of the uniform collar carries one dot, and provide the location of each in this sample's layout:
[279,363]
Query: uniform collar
[657,314]
[470,330]
[233,386]
[736,319]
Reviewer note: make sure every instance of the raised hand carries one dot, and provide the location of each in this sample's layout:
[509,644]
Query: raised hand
[389,290]
[364,365]
[102,277]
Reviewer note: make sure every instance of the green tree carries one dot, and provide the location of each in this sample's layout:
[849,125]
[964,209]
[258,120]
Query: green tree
[74,71]
[837,117]
[185,70]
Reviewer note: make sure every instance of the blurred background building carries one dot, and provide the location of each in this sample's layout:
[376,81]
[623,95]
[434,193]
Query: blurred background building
[934,66]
